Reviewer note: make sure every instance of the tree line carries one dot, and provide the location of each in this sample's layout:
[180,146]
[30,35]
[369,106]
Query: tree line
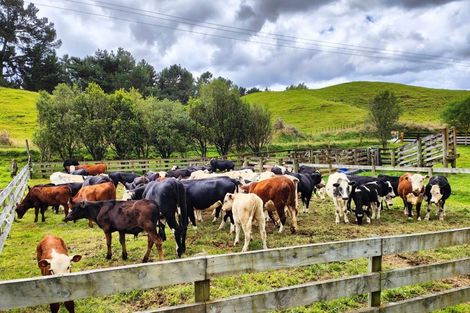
[125,124]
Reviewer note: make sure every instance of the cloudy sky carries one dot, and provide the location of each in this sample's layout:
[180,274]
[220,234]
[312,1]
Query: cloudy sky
[276,43]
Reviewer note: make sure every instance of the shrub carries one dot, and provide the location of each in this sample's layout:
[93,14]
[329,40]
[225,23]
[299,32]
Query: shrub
[5,138]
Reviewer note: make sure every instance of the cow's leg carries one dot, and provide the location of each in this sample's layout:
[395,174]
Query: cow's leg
[70,306]
[294,226]
[90,223]
[43,209]
[378,208]
[178,232]
[441,211]
[108,245]
[282,217]
[36,214]
[405,206]
[262,231]
[418,211]
[122,241]
[247,231]
[54,307]
[409,206]
[237,233]
[428,211]
[345,211]
[337,211]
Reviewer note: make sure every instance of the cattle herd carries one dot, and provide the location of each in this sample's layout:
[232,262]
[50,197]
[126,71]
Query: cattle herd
[176,198]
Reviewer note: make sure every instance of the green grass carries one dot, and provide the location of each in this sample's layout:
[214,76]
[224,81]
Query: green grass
[18,257]
[314,110]
[18,114]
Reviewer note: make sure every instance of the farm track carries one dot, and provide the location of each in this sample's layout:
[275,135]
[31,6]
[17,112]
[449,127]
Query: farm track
[18,258]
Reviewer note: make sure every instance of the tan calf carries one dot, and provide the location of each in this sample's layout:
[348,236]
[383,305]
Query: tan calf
[246,209]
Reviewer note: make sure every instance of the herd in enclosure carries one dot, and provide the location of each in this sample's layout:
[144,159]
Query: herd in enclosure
[176,197]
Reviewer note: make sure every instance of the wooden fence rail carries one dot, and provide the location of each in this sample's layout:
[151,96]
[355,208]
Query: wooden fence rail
[200,270]
[9,197]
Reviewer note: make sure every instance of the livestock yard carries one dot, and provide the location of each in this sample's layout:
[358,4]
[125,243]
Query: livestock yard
[18,259]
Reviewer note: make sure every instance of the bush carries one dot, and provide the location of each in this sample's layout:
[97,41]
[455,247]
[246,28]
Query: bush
[5,138]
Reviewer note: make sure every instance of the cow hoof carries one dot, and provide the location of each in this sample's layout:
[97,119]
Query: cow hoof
[108,256]
[145,260]
[293,230]
[124,256]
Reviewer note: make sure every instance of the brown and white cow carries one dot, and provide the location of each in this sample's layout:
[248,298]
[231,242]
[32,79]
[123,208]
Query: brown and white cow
[411,190]
[40,197]
[277,193]
[53,259]
[100,192]
[246,209]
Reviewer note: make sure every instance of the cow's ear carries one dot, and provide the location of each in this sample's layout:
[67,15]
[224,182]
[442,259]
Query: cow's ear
[44,263]
[335,185]
[76,258]
[230,196]
[29,188]
[426,177]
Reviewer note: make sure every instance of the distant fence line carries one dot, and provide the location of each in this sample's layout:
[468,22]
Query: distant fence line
[9,197]
[200,270]
[461,138]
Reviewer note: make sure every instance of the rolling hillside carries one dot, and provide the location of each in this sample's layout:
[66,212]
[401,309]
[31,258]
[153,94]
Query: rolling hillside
[314,109]
[18,114]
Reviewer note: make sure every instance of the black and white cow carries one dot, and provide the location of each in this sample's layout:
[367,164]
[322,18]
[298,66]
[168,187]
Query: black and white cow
[207,193]
[366,202]
[394,180]
[279,170]
[384,188]
[123,178]
[221,165]
[95,180]
[437,191]
[339,188]
[306,186]
[170,197]
[304,169]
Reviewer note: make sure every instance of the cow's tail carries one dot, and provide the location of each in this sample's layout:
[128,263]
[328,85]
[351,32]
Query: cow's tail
[296,198]
[157,222]
[237,184]
[181,201]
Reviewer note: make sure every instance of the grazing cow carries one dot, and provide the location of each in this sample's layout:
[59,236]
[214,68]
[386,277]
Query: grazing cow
[221,165]
[277,193]
[100,192]
[339,188]
[411,190]
[125,217]
[365,199]
[95,180]
[41,197]
[246,209]
[68,163]
[53,259]
[170,197]
[74,188]
[123,178]
[205,193]
[93,169]
[58,178]
[437,191]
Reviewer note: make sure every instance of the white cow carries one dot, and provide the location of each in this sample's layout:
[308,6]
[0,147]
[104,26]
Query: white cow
[246,209]
[239,174]
[339,188]
[64,178]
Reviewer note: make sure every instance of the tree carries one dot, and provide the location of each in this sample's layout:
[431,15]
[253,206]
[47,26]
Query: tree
[44,72]
[167,124]
[224,109]
[91,107]
[252,90]
[203,79]
[258,129]
[384,112]
[58,122]
[457,114]
[175,83]
[300,86]
[198,130]
[22,34]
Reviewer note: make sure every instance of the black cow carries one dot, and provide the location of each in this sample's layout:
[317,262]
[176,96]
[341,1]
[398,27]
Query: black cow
[279,170]
[365,200]
[138,182]
[179,172]
[151,176]
[68,163]
[304,169]
[204,193]
[125,217]
[170,197]
[120,177]
[95,180]
[437,191]
[80,172]
[305,187]
[221,165]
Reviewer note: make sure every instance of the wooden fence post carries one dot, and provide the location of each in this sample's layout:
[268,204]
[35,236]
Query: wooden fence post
[260,164]
[375,265]
[445,146]
[295,165]
[392,157]
[373,159]
[420,153]
[430,171]
[202,290]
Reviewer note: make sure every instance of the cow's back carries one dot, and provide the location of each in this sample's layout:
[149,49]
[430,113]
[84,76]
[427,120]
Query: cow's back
[279,189]
[404,185]
[104,191]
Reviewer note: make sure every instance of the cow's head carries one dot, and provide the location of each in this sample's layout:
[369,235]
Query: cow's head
[390,193]
[359,207]
[321,189]
[342,189]
[228,202]
[21,209]
[436,194]
[78,211]
[417,183]
[58,264]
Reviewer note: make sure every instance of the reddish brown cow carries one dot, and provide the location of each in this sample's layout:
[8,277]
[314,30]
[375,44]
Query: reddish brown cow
[40,197]
[411,190]
[53,258]
[277,192]
[100,192]
[93,169]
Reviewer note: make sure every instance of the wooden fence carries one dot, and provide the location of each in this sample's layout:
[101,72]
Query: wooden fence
[461,137]
[9,196]
[200,270]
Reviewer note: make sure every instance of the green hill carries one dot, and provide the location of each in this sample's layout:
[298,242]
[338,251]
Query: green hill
[18,114]
[313,110]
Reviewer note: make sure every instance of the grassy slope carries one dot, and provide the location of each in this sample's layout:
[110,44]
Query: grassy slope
[18,114]
[311,110]
[18,257]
